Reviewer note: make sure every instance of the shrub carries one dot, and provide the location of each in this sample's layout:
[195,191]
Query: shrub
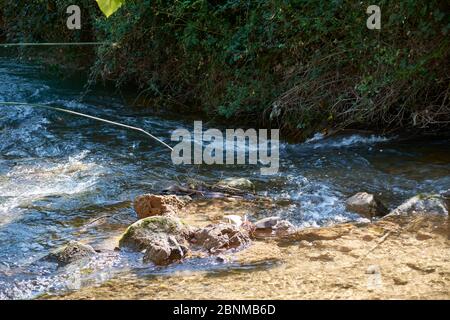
[302,65]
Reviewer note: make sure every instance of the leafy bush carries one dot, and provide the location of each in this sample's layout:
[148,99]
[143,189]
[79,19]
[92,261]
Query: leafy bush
[302,65]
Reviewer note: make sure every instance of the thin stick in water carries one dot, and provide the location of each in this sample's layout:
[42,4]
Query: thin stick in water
[87,116]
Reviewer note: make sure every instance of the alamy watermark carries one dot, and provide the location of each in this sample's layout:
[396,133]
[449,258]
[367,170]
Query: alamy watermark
[233,146]
[74,20]
[374,20]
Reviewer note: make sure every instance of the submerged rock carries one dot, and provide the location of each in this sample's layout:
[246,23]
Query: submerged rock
[267,223]
[283,228]
[220,237]
[432,204]
[273,226]
[71,252]
[320,234]
[238,183]
[261,253]
[163,238]
[366,205]
[148,205]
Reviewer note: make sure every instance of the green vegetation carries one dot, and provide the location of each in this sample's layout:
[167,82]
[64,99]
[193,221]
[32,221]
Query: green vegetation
[302,65]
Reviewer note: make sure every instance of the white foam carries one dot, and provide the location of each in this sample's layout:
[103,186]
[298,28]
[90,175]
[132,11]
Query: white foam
[27,183]
[347,141]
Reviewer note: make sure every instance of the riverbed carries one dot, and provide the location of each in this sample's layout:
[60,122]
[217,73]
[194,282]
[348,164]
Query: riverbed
[67,178]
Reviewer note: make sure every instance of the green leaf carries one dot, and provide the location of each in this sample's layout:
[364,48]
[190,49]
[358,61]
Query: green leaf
[108,7]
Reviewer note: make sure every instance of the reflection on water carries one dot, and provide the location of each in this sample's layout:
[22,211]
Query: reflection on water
[64,178]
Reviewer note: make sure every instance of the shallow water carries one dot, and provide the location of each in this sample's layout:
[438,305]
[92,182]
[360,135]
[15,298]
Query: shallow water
[63,178]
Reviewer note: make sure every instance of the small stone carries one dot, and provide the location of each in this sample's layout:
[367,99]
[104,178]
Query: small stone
[221,259]
[71,252]
[237,183]
[399,281]
[366,205]
[344,249]
[267,223]
[283,228]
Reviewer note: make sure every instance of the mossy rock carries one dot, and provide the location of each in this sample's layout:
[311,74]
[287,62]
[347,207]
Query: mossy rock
[163,238]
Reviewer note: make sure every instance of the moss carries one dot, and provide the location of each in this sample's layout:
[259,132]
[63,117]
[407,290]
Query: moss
[155,224]
[427,196]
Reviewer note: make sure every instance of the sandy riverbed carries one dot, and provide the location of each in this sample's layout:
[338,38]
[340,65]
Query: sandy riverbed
[407,258]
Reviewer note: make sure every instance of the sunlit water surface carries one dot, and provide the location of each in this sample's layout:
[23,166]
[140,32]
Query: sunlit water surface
[66,178]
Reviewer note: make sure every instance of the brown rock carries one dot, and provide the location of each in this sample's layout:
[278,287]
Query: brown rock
[219,237]
[148,205]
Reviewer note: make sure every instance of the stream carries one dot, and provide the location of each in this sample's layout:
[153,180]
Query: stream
[65,178]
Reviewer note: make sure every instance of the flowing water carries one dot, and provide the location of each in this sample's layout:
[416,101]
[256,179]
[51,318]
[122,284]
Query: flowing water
[67,178]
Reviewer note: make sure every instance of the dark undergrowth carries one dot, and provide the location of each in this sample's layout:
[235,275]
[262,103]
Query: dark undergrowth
[302,66]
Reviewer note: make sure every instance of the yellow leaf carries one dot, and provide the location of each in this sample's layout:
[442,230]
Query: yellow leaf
[108,7]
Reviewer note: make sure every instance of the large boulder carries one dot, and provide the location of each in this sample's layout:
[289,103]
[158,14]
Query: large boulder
[237,183]
[164,239]
[366,205]
[148,205]
[423,203]
[71,252]
[219,237]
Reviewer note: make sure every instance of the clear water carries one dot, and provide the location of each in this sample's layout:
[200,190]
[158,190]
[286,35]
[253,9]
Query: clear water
[63,178]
